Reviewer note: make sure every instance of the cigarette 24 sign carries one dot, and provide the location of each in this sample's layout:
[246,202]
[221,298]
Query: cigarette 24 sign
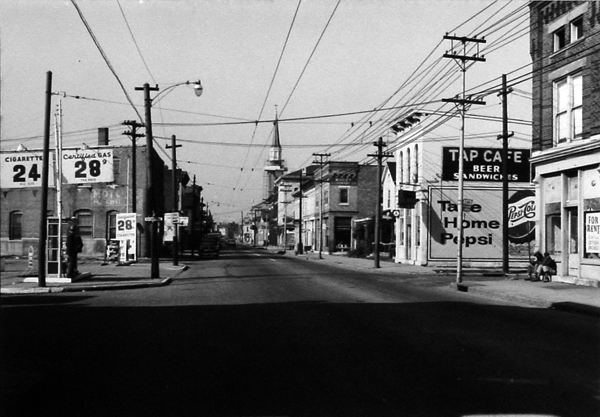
[87,166]
[24,169]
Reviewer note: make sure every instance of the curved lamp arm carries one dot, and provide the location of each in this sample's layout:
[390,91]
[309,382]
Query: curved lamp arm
[198,89]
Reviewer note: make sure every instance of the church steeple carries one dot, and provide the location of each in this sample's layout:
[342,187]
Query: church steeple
[275,164]
[275,151]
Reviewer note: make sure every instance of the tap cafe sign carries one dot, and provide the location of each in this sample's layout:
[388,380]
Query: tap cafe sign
[481,224]
[485,164]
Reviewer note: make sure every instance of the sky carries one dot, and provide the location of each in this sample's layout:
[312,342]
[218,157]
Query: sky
[336,73]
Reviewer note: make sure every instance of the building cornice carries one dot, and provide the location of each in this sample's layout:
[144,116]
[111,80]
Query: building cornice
[559,153]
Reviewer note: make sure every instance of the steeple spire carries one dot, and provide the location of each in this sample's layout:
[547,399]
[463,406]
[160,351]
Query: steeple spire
[276,143]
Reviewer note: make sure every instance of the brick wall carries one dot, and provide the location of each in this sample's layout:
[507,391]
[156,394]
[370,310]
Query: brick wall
[547,65]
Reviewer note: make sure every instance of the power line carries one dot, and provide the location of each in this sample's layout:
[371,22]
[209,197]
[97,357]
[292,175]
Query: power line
[106,60]
[135,42]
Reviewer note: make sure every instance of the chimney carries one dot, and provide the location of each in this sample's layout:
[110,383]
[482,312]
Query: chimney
[103,136]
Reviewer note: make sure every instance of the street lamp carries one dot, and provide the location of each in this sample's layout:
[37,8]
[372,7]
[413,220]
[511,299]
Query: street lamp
[150,202]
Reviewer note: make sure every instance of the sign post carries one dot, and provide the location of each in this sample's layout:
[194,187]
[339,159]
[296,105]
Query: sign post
[154,270]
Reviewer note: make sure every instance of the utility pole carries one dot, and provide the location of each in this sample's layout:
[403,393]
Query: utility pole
[379,155]
[132,133]
[173,148]
[300,243]
[462,103]
[285,189]
[150,204]
[192,228]
[504,136]
[44,203]
[320,162]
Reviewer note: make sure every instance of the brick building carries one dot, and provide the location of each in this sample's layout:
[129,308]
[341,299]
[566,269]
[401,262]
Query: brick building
[349,195]
[94,205]
[565,49]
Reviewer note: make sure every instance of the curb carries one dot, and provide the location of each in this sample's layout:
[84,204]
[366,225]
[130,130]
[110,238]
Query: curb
[481,290]
[84,288]
[564,306]
[119,286]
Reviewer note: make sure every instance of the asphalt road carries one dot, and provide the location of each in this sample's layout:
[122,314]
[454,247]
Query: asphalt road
[253,334]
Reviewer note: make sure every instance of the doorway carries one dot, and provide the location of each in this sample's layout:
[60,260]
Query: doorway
[572,242]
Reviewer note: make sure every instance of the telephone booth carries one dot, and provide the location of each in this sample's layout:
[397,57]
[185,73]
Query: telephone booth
[56,246]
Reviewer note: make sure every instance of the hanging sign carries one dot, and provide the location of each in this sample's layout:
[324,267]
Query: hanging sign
[24,169]
[171,220]
[82,166]
[407,199]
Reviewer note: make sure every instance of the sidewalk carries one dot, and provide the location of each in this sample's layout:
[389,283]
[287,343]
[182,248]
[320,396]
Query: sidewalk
[97,277]
[512,288]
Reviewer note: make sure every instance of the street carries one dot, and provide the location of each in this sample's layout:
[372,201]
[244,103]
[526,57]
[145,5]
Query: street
[253,333]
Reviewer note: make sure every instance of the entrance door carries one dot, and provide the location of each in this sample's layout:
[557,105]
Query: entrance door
[409,244]
[573,242]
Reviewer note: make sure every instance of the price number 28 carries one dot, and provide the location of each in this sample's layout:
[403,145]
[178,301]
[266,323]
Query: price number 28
[125,225]
[94,167]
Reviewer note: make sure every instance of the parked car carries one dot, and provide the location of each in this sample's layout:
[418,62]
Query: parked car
[231,242]
[210,244]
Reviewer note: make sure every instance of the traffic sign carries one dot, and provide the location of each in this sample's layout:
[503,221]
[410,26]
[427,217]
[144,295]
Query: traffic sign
[153,219]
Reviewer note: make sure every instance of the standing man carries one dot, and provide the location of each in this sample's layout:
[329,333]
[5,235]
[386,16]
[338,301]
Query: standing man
[74,247]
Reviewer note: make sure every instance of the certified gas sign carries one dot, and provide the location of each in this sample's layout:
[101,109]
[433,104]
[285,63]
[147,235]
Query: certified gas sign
[24,169]
[87,166]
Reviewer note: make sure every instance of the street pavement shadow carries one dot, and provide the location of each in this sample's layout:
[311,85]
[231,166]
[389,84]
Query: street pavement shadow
[309,358]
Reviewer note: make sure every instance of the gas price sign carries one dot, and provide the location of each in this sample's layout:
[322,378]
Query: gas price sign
[24,169]
[87,166]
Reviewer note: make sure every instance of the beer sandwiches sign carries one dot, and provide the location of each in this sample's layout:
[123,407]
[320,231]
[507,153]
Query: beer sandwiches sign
[485,164]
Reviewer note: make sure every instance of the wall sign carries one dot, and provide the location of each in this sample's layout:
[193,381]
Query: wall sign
[592,232]
[84,166]
[482,224]
[24,169]
[485,164]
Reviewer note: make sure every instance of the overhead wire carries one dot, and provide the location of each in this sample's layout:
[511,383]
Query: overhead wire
[105,57]
[135,42]
[270,85]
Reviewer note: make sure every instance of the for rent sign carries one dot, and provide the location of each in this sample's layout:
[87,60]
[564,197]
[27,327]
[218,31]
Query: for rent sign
[485,164]
[592,232]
